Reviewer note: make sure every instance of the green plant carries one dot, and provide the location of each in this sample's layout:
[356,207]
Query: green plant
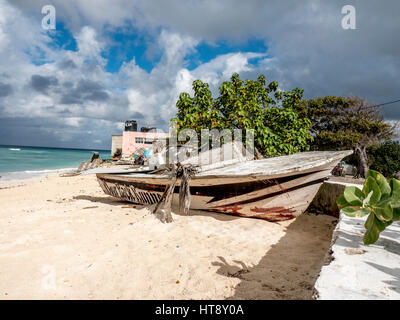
[250,104]
[379,199]
[340,123]
[386,158]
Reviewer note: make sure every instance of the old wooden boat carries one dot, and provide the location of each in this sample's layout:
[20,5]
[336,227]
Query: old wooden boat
[274,189]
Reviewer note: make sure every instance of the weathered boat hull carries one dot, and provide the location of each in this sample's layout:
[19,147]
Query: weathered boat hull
[273,196]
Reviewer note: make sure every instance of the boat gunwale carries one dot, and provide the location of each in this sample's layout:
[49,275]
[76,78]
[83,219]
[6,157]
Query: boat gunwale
[255,175]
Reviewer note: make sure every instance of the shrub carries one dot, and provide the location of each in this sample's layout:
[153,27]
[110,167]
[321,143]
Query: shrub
[386,158]
[379,199]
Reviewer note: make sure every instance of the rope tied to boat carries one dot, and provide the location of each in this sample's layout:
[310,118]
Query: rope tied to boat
[177,171]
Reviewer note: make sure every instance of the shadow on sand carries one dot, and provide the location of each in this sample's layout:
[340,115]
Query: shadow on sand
[289,269]
[106,200]
[118,202]
[203,213]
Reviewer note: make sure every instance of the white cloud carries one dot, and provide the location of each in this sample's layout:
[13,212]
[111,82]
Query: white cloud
[88,45]
[176,46]
[140,103]
[183,81]
[4,38]
[73,122]
[222,67]
[306,48]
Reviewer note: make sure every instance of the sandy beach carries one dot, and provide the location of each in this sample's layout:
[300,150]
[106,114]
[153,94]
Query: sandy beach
[63,238]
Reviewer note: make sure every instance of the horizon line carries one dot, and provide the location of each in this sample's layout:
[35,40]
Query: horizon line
[15,145]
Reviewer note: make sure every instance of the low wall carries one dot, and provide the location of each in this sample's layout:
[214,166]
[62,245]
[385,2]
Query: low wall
[325,199]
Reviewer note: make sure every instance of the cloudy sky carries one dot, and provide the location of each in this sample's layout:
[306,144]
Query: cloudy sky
[113,60]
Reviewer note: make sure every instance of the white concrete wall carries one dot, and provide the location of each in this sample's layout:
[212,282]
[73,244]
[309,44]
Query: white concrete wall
[357,271]
[116,143]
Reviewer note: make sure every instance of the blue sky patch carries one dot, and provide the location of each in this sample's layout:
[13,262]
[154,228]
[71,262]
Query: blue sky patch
[124,46]
[205,52]
[62,38]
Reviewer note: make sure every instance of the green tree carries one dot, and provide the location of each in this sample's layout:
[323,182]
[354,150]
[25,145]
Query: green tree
[385,158]
[199,112]
[340,123]
[249,104]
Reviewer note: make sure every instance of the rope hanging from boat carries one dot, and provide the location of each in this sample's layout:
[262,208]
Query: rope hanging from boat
[185,173]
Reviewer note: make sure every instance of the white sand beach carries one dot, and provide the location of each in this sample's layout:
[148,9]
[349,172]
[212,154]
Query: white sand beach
[63,238]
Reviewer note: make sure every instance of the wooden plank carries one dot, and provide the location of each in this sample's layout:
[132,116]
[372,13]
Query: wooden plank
[272,189]
[281,207]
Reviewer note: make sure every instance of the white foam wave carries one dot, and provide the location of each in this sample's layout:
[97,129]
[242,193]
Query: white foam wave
[14,149]
[21,175]
[49,170]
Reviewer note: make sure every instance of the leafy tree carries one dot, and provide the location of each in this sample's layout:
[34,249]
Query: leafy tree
[379,199]
[346,123]
[199,112]
[385,158]
[249,104]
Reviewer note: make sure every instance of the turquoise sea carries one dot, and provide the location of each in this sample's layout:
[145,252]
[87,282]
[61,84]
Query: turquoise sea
[19,162]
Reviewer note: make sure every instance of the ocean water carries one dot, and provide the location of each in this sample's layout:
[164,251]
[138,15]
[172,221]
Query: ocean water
[18,162]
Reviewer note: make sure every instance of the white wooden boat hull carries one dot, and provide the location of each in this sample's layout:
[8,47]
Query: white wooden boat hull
[274,195]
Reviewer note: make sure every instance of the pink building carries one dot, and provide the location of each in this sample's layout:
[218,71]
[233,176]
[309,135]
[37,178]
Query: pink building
[134,140]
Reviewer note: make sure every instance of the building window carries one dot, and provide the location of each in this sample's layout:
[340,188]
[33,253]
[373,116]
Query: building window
[139,140]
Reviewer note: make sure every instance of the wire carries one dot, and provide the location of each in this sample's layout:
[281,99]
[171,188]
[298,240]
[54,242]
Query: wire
[383,104]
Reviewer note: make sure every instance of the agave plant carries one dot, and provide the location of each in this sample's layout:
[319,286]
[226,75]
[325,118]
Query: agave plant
[379,199]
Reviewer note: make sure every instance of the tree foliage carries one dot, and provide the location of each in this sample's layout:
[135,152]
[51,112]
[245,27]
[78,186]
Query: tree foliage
[379,199]
[346,123]
[385,158]
[342,123]
[249,104]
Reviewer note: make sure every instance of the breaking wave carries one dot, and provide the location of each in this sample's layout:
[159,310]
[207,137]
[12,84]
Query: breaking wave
[20,175]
